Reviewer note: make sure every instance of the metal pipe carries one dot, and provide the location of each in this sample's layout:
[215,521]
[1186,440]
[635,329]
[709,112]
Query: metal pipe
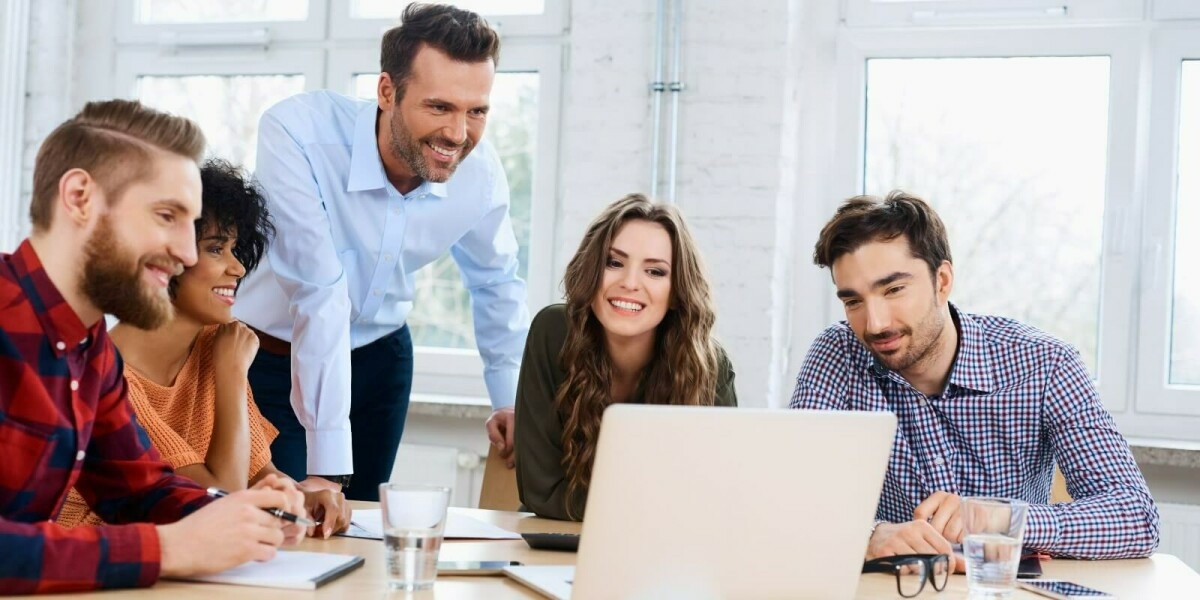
[657,87]
[675,87]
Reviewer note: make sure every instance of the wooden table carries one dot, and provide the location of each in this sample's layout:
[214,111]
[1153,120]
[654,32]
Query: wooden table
[1159,577]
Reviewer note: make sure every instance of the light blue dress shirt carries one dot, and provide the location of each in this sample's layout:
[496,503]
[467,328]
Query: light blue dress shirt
[339,274]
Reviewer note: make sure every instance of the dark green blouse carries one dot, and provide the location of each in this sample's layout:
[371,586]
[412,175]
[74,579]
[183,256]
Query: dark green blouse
[541,479]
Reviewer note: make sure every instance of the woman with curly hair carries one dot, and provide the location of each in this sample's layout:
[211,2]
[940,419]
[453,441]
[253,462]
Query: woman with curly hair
[636,327]
[187,379]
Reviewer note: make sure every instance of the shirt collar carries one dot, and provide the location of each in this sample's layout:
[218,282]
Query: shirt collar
[366,167]
[64,329]
[972,369]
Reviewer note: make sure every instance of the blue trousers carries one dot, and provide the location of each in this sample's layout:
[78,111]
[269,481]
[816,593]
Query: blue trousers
[380,384]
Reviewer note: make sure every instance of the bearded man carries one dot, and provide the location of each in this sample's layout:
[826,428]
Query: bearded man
[116,189]
[364,194]
[986,405]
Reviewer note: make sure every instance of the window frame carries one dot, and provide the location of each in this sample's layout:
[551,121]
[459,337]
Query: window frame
[1119,256]
[327,48]
[1155,394]
[933,13]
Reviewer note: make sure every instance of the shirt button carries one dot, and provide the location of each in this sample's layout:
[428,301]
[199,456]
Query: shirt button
[375,292]
[939,461]
[396,211]
[387,257]
[61,345]
[79,455]
[74,385]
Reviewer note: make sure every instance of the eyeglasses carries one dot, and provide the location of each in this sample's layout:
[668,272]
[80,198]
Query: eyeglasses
[912,570]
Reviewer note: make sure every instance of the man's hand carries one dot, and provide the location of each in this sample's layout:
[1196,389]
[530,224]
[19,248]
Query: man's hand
[293,502]
[331,509]
[500,432]
[914,537]
[226,533]
[941,509]
[316,482]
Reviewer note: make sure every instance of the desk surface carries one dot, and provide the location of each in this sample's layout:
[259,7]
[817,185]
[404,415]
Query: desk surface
[1161,576]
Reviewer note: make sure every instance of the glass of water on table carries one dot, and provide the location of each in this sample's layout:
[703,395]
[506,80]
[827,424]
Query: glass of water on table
[414,519]
[993,529]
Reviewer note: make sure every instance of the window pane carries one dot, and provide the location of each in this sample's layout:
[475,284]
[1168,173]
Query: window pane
[1011,153]
[1185,313]
[220,11]
[441,314]
[390,9]
[227,107]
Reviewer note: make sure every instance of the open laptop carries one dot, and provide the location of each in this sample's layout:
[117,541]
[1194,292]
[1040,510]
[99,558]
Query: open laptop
[705,502]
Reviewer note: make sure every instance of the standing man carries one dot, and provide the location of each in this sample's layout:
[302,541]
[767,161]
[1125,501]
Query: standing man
[116,189]
[364,194]
[986,405]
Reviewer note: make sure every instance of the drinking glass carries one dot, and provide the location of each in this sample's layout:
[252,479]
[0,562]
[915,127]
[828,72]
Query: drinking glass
[993,529]
[414,518]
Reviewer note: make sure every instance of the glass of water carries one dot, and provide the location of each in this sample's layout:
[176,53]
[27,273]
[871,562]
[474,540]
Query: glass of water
[993,529]
[414,518]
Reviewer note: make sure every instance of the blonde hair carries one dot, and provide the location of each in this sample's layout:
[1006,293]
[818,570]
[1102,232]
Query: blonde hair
[685,365]
[114,142]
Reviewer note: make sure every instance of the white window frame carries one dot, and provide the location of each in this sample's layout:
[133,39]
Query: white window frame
[1156,396]
[127,31]
[459,371]
[935,13]
[328,48]
[1118,243]
[551,22]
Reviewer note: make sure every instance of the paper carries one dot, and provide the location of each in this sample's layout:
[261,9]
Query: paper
[289,569]
[368,523]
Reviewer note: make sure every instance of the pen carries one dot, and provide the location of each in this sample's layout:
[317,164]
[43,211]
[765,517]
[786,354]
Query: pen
[278,512]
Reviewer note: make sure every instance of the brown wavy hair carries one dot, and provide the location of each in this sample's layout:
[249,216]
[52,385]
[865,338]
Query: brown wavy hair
[684,369]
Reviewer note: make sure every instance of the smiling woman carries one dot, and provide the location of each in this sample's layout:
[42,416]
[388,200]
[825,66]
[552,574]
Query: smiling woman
[636,327]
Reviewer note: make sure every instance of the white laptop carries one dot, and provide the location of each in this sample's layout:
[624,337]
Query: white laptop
[705,502]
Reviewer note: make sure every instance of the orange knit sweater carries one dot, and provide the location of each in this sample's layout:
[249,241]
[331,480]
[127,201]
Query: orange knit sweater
[179,419]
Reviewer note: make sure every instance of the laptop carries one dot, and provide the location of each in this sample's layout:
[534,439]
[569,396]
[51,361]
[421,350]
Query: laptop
[712,502]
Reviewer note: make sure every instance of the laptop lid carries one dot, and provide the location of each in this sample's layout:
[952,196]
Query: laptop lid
[710,502]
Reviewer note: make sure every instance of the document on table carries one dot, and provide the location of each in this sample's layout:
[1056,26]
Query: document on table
[368,523]
[289,569]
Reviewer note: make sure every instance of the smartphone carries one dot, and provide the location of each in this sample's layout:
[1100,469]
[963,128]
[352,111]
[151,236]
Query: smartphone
[567,542]
[474,567]
[1064,590]
[1030,567]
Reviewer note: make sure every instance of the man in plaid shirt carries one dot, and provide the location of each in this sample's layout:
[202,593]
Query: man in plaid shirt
[116,189]
[986,405]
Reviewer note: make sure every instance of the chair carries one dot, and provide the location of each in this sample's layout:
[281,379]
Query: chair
[1058,488]
[499,488]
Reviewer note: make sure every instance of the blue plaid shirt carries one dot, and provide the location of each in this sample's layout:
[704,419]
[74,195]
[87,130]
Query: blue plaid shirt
[1017,401]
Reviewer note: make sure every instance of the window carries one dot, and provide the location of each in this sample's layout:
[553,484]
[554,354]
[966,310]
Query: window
[224,62]
[1185,313]
[1063,157]
[1011,153]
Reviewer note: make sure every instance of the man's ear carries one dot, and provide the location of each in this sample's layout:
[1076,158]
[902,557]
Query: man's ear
[385,92]
[945,280]
[78,196]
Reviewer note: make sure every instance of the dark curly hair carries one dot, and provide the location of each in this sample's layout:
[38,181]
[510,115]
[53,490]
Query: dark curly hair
[232,202]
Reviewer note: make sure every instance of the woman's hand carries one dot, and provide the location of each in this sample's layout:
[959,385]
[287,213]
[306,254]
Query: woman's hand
[330,508]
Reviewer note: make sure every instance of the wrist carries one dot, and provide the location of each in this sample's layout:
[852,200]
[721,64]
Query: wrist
[342,481]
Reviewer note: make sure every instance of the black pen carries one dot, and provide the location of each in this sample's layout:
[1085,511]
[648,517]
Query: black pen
[278,512]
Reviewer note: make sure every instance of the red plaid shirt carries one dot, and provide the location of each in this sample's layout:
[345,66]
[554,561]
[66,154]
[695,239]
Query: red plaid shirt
[65,421]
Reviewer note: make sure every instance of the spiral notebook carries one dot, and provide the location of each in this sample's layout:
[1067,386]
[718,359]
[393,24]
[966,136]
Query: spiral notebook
[289,569]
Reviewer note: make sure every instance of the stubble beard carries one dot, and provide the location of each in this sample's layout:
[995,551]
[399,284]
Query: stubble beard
[411,151]
[923,345]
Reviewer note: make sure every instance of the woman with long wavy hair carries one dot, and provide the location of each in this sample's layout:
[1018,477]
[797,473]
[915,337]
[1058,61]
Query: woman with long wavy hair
[636,327]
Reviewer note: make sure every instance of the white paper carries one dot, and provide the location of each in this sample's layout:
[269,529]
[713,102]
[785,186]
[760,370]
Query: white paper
[368,523]
[289,569]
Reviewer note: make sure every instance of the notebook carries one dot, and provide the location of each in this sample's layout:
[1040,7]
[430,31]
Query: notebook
[289,569]
[368,523]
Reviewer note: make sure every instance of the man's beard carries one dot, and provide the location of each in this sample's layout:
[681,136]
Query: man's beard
[410,150]
[922,343]
[112,281]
